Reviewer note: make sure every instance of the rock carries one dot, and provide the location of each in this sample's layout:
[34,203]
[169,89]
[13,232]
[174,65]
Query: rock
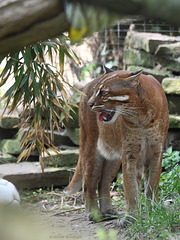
[60,138]
[173,139]
[158,73]
[174,121]
[173,103]
[148,42]
[29,175]
[68,157]
[172,64]
[172,49]
[171,85]
[139,58]
[5,157]
[12,146]
[6,133]
[73,134]
[74,100]
[74,122]
[9,120]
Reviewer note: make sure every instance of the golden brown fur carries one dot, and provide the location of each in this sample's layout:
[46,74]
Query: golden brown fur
[123,120]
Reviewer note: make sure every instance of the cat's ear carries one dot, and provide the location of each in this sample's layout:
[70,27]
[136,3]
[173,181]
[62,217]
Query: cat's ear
[133,80]
[107,70]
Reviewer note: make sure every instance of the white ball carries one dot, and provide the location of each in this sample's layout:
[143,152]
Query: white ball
[8,193]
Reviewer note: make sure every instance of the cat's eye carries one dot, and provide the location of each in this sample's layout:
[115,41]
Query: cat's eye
[101,93]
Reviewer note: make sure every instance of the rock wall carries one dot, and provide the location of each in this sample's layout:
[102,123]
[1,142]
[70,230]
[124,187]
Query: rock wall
[58,168]
[158,55]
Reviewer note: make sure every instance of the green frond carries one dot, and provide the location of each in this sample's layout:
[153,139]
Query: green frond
[36,85]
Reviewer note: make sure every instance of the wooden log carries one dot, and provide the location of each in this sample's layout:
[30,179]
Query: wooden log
[25,22]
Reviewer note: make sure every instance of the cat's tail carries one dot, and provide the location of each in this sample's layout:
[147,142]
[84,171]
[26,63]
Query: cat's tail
[76,182]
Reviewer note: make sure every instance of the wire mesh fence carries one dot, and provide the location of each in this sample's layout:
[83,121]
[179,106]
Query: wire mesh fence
[112,39]
[107,47]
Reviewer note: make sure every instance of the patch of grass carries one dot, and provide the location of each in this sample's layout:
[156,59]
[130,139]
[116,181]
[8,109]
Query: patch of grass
[36,195]
[155,222]
[170,176]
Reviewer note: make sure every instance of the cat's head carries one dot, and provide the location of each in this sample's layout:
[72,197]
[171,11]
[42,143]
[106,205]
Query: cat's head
[114,94]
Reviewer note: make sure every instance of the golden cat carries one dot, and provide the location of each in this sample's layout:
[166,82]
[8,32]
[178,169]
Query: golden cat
[123,120]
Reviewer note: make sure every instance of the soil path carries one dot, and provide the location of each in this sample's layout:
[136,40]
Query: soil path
[51,211]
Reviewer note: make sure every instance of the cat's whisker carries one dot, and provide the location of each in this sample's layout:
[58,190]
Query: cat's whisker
[127,113]
[124,111]
[127,105]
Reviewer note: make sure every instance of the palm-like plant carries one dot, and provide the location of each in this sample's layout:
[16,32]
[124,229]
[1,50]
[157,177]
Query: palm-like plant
[41,90]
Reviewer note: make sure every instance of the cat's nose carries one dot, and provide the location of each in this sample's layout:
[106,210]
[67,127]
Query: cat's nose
[90,104]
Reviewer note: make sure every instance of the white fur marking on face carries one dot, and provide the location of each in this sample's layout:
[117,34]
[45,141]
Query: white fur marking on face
[95,107]
[97,93]
[119,98]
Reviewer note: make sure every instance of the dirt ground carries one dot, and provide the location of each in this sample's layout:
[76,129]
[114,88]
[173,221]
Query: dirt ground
[65,217]
[50,215]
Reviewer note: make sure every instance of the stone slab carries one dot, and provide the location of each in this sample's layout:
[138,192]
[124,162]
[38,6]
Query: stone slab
[171,85]
[158,73]
[148,42]
[9,120]
[172,49]
[29,175]
[74,122]
[170,63]
[173,139]
[6,133]
[173,103]
[12,146]
[68,157]
[139,58]
[5,157]
[60,137]
[74,135]
[174,121]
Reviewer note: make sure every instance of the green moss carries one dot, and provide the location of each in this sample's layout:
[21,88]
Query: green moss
[67,158]
[139,58]
[159,74]
[174,121]
[171,85]
[12,146]
[5,157]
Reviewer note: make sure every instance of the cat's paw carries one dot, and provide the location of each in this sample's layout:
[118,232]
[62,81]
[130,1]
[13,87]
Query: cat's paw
[94,216]
[125,222]
[109,214]
[98,217]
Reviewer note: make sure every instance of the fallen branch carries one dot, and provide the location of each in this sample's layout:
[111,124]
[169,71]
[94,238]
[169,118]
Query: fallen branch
[66,211]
